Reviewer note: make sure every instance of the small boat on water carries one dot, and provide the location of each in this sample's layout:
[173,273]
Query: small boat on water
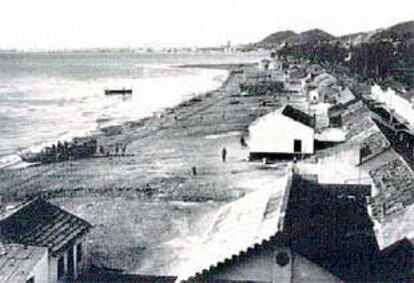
[119,91]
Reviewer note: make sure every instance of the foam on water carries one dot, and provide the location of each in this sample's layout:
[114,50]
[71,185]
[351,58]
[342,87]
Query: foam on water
[60,109]
[50,97]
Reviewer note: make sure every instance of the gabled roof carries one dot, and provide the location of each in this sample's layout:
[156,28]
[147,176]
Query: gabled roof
[278,239]
[314,204]
[299,116]
[40,223]
[17,261]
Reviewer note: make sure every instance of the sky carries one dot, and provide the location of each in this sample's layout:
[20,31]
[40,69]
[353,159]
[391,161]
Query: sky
[59,24]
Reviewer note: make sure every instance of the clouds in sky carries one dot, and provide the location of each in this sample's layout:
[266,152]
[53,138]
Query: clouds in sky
[121,23]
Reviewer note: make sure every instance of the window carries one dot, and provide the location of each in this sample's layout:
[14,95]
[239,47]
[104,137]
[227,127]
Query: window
[30,280]
[79,251]
[282,259]
[61,267]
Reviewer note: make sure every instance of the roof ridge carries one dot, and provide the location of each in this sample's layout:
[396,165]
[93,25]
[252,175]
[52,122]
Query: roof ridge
[231,258]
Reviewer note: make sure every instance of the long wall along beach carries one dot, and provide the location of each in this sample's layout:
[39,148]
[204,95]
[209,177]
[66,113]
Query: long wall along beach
[234,183]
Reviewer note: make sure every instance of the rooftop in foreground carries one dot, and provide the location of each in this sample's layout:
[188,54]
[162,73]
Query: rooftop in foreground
[40,223]
[327,226]
[17,261]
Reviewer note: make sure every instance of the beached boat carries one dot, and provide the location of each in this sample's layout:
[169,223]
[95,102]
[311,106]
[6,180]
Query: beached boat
[120,91]
[77,149]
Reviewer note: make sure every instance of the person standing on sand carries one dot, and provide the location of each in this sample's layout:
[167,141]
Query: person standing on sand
[224,154]
[124,149]
[243,141]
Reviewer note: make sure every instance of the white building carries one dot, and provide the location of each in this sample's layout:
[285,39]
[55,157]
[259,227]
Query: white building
[270,236]
[283,134]
[23,264]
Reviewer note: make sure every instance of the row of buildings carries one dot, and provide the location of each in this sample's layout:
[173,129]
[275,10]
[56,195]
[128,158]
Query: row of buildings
[308,121]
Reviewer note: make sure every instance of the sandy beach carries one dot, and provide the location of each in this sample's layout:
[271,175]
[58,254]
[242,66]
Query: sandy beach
[148,209]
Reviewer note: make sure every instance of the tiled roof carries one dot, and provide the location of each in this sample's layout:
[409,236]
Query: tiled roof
[394,181]
[372,146]
[17,261]
[278,239]
[40,223]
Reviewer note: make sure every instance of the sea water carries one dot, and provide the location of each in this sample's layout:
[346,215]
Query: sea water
[45,97]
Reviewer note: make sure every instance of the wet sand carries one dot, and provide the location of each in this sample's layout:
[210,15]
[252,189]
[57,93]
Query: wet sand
[149,208]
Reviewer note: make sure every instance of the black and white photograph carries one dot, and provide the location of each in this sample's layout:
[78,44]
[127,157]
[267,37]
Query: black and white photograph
[206,141]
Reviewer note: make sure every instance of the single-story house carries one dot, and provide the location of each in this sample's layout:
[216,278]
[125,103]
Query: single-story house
[307,232]
[41,224]
[23,264]
[285,134]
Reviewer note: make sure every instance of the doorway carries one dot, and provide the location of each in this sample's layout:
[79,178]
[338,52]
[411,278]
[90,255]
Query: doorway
[297,146]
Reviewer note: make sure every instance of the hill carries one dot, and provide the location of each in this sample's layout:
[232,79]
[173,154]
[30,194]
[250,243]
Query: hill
[360,37]
[402,32]
[403,28]
[314,36]
[278,38]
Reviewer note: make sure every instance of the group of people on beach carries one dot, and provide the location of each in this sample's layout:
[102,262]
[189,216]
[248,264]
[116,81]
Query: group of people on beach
[66,151]
[120,150]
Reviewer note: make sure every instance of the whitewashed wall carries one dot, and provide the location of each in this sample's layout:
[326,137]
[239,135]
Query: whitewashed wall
[275,133]
[263,268]
[40,270]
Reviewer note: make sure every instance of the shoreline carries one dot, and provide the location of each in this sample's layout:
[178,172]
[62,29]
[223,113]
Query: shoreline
[228,67]
[154,182]
[13,160]
[150,210]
